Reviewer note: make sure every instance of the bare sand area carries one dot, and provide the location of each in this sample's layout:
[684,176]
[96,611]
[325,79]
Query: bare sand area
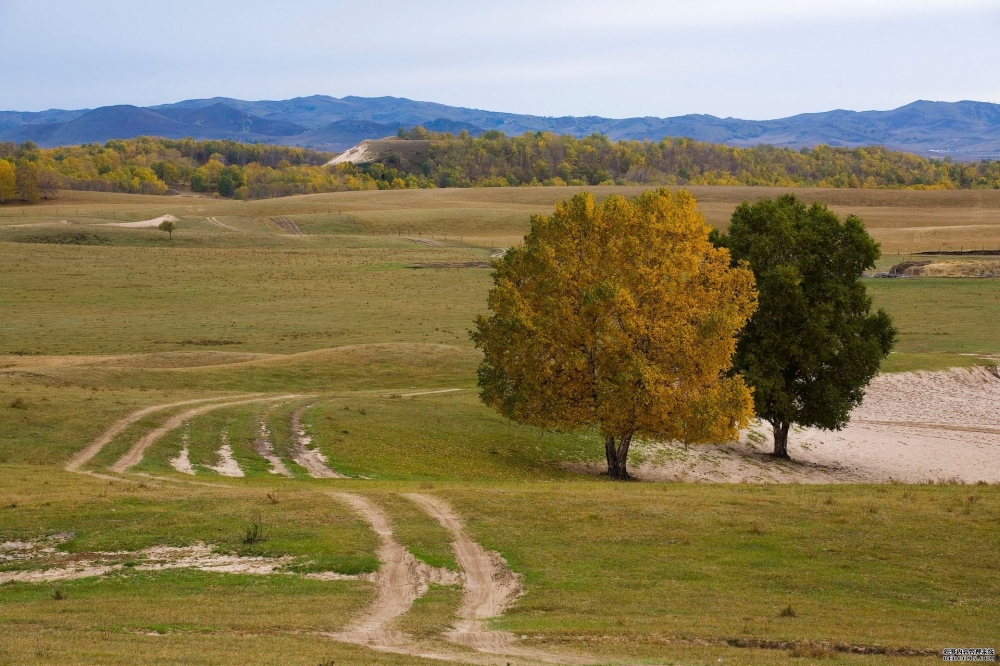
[143,224]
[912,427]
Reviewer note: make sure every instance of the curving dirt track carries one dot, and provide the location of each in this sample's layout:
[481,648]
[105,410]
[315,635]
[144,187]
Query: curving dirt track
[400,580]
[215,221]
[287,225]
[81,458]
[134,455]
[490,587]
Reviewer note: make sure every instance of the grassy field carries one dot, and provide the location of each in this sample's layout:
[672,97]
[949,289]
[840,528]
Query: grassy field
[100,321]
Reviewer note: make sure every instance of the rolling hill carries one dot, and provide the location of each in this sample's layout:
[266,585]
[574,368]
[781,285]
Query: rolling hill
[962,130]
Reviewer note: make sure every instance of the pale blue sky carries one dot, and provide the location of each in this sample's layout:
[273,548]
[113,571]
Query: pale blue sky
[613,58]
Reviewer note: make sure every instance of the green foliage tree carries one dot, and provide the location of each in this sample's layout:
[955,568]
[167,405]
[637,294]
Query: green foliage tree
[26,175]
[169,227]
[622,317]
[199,183]
[8,181]
[226,186]
[814,343]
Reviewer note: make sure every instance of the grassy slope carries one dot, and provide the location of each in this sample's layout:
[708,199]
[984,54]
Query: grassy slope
[666,571]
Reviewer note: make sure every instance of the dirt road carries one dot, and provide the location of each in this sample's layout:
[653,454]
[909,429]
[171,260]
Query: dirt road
[490,586]
[134,455]
[215,221]
[287,224]
[81,458]
[400,580]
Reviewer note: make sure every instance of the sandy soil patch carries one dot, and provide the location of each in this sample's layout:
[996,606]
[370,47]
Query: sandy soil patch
[37,224]
[302,453]
[350,155]
[227,465]
[265,449]
[65,566]
[182,463]
[912,427]
[142,224]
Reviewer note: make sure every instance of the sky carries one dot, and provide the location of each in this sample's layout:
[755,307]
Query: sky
[614,58]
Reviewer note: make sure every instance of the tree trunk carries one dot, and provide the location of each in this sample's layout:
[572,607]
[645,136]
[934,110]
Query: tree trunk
[780,439]
[617,457]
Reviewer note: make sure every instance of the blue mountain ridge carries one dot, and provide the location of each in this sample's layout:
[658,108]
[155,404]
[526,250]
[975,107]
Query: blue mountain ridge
[964,130]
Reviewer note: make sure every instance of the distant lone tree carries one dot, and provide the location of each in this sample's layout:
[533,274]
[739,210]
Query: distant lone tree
[168,226]
[814,343]
[621,317]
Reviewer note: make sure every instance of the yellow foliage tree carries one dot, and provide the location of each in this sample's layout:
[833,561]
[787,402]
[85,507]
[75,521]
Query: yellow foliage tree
[622,317]
[8,182]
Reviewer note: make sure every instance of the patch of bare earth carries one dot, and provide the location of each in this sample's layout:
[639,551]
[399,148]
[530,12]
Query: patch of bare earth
[142,224]
[182,463]
[227,465]
[912,427]
[305,455]
[57,566]
[265,449]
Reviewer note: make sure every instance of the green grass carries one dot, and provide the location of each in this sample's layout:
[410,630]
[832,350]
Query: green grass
[889,565]
[645,573]
[936,315]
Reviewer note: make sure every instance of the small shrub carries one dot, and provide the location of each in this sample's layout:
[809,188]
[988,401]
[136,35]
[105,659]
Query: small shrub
[58,595]
[255,531]
[787,611]
[18,403]
[273,497]
[829,500]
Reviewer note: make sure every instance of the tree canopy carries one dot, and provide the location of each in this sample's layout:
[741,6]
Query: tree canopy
[169,227]
[620,316]
[813,344]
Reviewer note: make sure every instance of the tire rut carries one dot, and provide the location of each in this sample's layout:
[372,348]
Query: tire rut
[489,588]
[312,460]
[134,455]
[92,449]
[400,580]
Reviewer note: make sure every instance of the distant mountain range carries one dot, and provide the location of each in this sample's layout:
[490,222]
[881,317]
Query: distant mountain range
[962,130]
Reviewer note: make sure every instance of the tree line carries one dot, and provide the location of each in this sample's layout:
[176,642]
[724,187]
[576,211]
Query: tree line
[542,158]
[149,165]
